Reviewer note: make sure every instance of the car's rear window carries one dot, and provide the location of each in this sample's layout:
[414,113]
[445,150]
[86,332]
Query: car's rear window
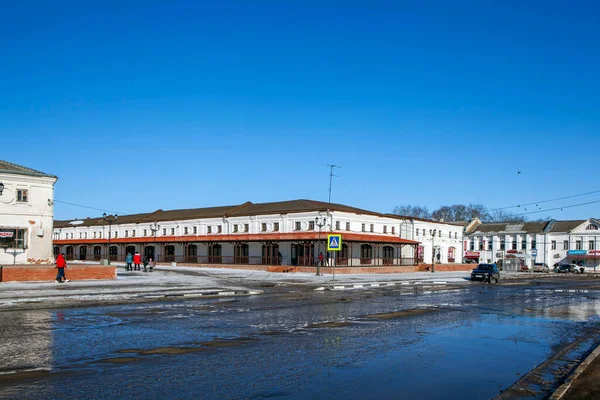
[484,267]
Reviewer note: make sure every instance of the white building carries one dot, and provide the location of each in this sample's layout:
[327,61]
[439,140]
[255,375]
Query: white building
[26,215]
[259,234]
[551,242]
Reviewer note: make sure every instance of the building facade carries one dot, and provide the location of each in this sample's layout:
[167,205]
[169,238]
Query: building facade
[26,215]
[286,233]
[551,242]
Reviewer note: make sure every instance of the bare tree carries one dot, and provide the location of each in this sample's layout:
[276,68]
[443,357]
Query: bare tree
[412,211]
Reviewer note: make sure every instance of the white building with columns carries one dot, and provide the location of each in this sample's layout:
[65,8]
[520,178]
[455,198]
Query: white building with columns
[287,232]
[26,215]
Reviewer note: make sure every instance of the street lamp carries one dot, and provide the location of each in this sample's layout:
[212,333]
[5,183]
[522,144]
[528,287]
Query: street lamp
[154,228]
[320,222]
[108,219]
[433,251]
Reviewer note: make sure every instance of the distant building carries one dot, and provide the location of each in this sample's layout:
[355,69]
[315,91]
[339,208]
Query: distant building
[288,232]
[26,215]
[551,242]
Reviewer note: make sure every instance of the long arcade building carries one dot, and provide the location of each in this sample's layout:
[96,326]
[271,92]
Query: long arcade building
[288,233]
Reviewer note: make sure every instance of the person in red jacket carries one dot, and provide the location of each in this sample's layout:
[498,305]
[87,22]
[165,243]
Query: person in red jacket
[137,260]
[61,264]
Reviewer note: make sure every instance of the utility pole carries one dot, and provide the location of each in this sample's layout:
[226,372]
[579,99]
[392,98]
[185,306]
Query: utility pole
[331,167]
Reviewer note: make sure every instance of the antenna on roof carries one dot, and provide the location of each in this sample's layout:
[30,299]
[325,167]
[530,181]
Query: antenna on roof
[331,167]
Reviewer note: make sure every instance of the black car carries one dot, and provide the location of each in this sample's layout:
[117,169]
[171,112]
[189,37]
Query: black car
[486,273]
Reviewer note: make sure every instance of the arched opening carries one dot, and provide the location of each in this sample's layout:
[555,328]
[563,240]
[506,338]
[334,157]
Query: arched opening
[388,255]
[191,254]
[421,254]
[240,253]
[270,254]
[97,253]
[169,253]
[82,253]
[149,252]
[214,254]
[366,254]
[113,253]
[452,254]
[342,256]
[56,251]
[130,250]
[69,252]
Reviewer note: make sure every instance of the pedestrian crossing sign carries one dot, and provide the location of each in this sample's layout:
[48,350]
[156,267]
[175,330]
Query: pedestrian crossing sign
[334,242]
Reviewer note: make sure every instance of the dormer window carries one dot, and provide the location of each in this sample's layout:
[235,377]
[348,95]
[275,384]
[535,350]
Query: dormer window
[592,227]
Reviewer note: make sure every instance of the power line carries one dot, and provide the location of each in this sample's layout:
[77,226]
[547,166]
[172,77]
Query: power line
[559,208]
[545,201]
[91,208]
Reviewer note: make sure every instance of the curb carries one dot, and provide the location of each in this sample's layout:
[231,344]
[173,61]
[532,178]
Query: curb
[378,284]
[562,389]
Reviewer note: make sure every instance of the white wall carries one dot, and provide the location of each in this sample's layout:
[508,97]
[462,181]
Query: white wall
[36,215]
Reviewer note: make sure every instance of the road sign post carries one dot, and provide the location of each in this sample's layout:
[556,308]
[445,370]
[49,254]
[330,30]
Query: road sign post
[334,243]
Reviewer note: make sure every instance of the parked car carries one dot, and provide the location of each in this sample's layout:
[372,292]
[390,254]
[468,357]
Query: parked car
[569,268]
[541,267]
[524,268]
[486,273]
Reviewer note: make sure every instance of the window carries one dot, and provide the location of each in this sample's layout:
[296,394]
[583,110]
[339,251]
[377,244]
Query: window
[80,235]
[578,245]
[195,230]
[276,227]
[417,231]
[472,244]
[502,244]
[481,244]
[85,235]
[209,229]
[347,226]
[533,244]
[372,228]
[566,245]
[133,233]
[337,225]
[100,235]
[455,235]
[311,225]
[219,229]
[145,232]
[385,229]
[164,231]
[591,245]
[440,233]
[126,233]
[393,230]
[235,228]
[491,243]
[449,235]
[523,244]
[297,226]
[592,227]
[263,227]
[22,195]
[172,231]
[514,244]
[553,243]
[71,235]
[246,227]
[116,234]
[13,238]
[364,228]
[94,235]
[185,230]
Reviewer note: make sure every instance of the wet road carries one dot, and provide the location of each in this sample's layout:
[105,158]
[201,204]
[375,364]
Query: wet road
[468,342]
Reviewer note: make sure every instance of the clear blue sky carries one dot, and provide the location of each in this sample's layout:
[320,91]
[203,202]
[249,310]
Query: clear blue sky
[201,103]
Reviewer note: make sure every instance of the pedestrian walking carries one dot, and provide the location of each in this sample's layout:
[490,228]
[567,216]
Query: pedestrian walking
[152,263]
[146,264]
[279,258]
[320,259]
[137,260]
[128,261]
[61,264]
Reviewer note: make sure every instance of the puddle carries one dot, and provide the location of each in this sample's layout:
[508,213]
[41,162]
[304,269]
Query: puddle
[401,314]
[120,360]
[329,325]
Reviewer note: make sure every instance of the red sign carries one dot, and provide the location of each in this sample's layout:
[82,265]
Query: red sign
[6,234]
[471,254]
[594,252]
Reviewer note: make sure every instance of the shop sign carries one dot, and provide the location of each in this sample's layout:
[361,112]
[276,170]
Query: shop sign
[7,233]
[594,252]
[577,252]
[471,254]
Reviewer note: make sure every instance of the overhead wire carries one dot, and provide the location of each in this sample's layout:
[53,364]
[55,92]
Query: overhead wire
[546,201]
[91,208]
[559,208]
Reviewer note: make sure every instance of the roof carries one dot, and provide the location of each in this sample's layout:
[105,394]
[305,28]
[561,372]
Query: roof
[510,227]
[11,168]
[245,209]
[567,226]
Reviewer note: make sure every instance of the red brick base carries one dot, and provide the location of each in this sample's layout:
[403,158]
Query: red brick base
[446,267]
[48,273]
